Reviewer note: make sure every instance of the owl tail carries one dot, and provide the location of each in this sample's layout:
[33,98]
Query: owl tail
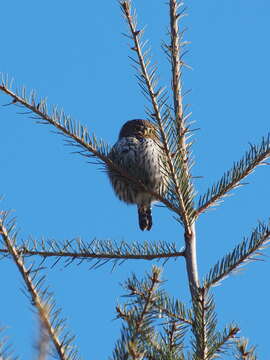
[145,217]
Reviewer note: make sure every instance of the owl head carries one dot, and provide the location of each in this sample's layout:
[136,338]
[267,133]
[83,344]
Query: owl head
[138,128]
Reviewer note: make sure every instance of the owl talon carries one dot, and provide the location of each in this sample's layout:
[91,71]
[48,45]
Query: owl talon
[145,217]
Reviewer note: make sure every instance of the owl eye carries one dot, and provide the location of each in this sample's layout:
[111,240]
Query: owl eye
[137,128]
[151,131]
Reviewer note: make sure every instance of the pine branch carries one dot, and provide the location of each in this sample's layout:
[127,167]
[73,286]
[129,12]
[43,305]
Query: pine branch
[162,304]
[179,130]
[174,340]
[139,332]
[176,53]
[179,133]
[232,178]
[102,252]
[143,303]
[247,250]
[242,351]
[223,341]
[204,324]
[176,64]
[77,135]
[180,191]
[39,296]
[170,345]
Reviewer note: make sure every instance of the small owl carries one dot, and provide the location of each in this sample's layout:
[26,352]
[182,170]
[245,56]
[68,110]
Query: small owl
[139,153]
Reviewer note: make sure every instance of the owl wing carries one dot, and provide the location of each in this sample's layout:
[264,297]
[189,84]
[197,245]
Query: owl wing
[125,152]
[141,158]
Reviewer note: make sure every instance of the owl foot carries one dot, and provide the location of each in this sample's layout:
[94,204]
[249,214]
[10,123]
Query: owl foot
[145,217]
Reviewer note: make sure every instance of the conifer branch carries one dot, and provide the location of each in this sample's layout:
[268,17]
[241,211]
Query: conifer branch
[243,352]
[77,135]
[180,192]
[170,345]
[174,341]
[246,251]
[204,323]
[223,341]
[143,299]
[101,251]
[176,58]
[232,178]
[139,332]
[176,66]
[162,304]
[39,297]
[209,343]
[180,138]
[179,131]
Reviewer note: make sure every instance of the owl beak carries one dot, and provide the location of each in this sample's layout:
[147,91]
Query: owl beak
[142,132]
[148,132]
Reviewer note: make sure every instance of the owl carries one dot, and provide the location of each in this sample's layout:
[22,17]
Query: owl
[139,153]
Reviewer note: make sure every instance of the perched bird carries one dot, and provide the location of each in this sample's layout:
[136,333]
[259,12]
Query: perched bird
[139,153]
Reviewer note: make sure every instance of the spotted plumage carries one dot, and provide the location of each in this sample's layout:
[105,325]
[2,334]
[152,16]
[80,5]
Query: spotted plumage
[139,154]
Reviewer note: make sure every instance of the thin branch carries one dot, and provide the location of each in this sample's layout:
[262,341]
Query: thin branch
[164,306]
[97,250]
[246,251]
[176,64]
[139,332]
[208,342]
[78,136]
[43,306]
[223,341]
[243,352]
[231,179]
[175,50]
[180,130]
[148,82]
[203,308]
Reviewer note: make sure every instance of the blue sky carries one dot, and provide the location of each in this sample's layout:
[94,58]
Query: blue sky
[74,53]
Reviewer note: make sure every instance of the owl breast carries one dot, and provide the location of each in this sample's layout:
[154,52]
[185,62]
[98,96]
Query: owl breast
[141,158]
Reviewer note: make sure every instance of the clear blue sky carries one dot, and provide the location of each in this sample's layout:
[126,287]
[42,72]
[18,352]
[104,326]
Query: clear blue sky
[74,53]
